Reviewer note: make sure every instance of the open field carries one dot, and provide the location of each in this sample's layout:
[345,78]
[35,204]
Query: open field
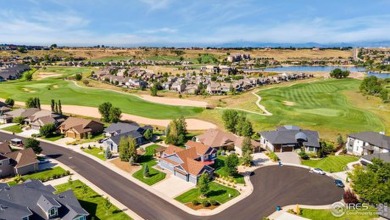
[70,94]
[106,54]
[92,202]
[331,163]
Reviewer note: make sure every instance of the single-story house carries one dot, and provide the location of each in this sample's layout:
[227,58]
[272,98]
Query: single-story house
[4,108]
[366,143]
[80,128]
[289,138]
[34,200]
[122,127]
[188,163]
[219,139]
[17,162]
[24,161]
[367,159]
[44,117]
[113,142]
[21,112]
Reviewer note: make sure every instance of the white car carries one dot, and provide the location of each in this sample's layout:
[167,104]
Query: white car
[317,170]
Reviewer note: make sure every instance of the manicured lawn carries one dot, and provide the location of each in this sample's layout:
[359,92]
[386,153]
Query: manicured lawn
[350,215]
[95,151]
[219,166]
[147,158]
[331,163]
[70,94]
[217,192]
[327,106]
[54,137]
[45,175]
[92,202]
[13,128]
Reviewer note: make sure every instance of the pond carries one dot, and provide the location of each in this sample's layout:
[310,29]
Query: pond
[379,75]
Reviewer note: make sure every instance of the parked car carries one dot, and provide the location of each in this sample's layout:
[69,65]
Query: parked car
[317,170]
[339,183]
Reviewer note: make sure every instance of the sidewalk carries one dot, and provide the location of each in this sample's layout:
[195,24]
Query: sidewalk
[201,212]
[76,176]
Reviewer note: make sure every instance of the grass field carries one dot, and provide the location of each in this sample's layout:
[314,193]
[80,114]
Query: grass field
[324,105]
[147,158]
[70,94]
[13,128]
[217,192]
[92,202]
[95,151]
[331,163]
[350,214]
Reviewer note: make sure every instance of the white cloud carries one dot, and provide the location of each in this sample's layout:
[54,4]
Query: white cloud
[157,4]
[158,30]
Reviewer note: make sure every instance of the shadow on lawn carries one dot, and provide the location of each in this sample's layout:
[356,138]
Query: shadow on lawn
[90,208]
[216,193]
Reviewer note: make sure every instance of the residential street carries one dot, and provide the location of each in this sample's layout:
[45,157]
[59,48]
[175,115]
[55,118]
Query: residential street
[273,186]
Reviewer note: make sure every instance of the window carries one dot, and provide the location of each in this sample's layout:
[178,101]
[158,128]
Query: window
[80,218]
[25,218]
[53,212]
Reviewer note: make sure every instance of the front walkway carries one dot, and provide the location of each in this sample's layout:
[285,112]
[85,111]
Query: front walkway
[28,133]
[289,157]
[173,186]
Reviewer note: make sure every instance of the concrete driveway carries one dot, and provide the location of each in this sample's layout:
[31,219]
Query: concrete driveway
[172,186]
[28,133]
[260,159]
[289,157]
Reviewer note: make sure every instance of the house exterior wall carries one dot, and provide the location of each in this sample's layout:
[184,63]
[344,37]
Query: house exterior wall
[5,168]
[27,169]
[264,143]
[181,175]
[165,165]
[238,150]
[112,145]
[355,147]
[193,179]
[96,127]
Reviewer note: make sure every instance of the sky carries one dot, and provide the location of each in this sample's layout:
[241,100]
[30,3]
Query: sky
[192,22]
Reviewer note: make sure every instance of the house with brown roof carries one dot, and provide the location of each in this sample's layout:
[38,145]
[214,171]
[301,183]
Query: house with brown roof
[17,162]
[79,128]
[219,139]
[44,117]
[190,162]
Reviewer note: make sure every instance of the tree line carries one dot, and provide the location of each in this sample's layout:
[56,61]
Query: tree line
[375,87]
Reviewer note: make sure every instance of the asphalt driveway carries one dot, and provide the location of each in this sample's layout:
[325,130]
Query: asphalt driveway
[273,185]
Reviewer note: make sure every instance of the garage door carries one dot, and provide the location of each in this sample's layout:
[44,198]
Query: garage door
[287,149]
[70,134]
[181,175]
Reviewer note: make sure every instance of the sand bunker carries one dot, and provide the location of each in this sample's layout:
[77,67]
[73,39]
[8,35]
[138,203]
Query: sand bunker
[44,75]
[288,103]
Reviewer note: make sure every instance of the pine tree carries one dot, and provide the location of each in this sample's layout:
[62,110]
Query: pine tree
[52,105]
[59,107]
[146,171]
[56,108]
[124,149]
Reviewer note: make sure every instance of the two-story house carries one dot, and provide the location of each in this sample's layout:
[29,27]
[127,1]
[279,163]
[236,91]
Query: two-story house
[366,143]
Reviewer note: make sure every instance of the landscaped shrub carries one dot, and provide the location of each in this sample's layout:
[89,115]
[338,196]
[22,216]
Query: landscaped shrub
[214,202]
[206,203]
[303,155]
[349,197]
[273,156]
[195,202]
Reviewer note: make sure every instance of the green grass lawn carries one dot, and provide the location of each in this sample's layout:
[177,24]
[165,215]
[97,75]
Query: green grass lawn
[147,158]
[13,128]
[54,137]
[70,94]
[219,166]
[349,215]
[321,105]
[92,202]
[217,192]
[44,175]
[95,151]
[331,163]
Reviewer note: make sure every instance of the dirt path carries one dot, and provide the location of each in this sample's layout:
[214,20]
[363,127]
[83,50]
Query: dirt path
[266,112]
[192,124]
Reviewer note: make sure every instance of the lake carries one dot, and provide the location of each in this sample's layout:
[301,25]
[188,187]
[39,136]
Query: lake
[379,75]
[313,69]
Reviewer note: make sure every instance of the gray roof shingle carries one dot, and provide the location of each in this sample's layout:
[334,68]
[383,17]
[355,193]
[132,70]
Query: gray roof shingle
[289,135]
[374,138]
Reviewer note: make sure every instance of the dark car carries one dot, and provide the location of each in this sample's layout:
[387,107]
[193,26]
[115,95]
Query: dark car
[339,183]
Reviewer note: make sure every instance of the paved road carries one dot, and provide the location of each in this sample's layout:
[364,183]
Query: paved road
[273,186]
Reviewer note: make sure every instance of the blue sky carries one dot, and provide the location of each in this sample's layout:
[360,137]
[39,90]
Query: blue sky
[175,22]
